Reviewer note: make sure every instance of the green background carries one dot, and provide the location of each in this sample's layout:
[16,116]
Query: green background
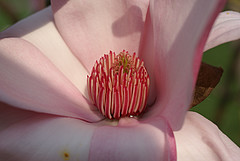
[222,106]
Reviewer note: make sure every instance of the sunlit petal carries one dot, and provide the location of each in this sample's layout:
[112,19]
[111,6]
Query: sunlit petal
[30,81]
[133,140]
[44,35]
[226,28]
[199,139]
[36,137]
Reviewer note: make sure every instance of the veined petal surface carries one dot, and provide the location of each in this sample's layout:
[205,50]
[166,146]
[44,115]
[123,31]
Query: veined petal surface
[172,47]
[226,28]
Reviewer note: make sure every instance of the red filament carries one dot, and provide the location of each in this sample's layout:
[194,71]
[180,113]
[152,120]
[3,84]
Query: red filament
[118,85]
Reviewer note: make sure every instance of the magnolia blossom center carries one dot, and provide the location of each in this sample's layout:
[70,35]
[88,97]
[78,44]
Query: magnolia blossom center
[118,85]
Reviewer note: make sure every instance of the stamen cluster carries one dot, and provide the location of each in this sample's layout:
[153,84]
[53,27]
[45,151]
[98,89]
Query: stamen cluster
[118,85]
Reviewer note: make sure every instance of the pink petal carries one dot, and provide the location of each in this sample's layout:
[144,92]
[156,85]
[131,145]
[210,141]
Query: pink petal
[177,32]
[30,81]
[133,140]
[92,28]
[44,35]
[226,28]
[199,139]
[26,135]
[29,136]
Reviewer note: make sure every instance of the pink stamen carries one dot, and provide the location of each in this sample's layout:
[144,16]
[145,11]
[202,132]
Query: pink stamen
[118,85]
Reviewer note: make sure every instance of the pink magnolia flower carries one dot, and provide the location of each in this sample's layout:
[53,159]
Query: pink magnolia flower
[45,60]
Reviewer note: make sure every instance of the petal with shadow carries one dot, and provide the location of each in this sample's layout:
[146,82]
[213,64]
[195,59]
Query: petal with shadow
[177,31]
[92,28]
[28,80]
[44,35]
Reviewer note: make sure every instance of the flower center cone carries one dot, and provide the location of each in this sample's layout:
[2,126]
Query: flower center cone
[119,85]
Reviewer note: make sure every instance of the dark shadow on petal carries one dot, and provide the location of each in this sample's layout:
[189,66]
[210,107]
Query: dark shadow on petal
[58,4]
[130,22]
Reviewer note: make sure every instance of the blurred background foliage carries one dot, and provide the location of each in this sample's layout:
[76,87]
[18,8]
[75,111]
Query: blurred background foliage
[223,105]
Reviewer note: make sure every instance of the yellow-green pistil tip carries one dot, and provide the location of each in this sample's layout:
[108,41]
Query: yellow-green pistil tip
[118,85]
